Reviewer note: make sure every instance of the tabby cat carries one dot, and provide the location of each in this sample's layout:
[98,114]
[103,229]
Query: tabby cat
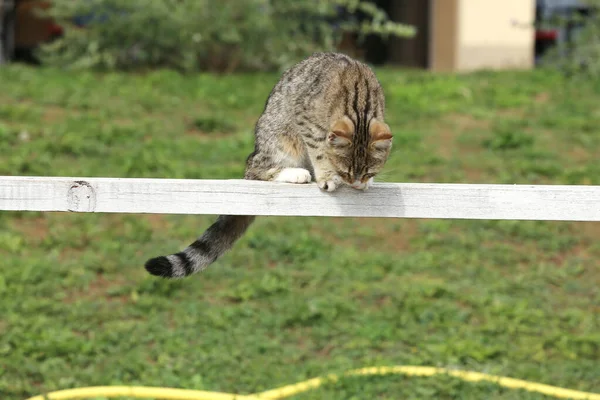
[324,121]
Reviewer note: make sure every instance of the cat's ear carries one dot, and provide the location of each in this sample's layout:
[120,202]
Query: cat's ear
[341,132]
[381,136]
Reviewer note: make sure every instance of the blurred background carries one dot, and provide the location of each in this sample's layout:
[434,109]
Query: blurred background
[452,35]
[477,91]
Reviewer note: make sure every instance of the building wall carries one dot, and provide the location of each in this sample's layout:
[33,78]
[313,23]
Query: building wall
[443,33]
[493,34]
[482,34]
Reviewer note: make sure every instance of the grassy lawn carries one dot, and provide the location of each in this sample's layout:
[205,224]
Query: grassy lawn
[297,297]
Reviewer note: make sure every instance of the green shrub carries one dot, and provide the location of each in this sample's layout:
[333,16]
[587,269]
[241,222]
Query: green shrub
[580,58]
[214,35]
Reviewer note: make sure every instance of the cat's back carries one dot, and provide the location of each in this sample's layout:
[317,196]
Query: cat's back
[326,61]
[321,69]
[327,76]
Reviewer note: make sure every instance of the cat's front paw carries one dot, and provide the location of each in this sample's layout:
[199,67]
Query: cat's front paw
[330,184]
[293,175]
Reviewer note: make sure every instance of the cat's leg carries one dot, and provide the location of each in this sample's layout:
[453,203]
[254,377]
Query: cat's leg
[316,156]
[325,175]
[281,159]
[327,179]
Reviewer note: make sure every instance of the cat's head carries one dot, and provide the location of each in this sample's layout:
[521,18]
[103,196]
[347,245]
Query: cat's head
[358,156]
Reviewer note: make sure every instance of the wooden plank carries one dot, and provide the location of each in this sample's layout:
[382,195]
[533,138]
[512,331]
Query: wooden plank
[241,197]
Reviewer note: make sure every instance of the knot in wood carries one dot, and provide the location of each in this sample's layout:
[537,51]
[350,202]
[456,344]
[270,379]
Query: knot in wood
[81,197]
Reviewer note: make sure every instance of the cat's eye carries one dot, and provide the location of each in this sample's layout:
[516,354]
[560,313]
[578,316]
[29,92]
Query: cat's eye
[366,177]
[346,176]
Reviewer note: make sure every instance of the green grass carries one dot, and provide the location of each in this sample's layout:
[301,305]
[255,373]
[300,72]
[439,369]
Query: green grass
[297,297]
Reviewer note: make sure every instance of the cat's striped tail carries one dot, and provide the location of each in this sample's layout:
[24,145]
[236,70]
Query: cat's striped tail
[217,239]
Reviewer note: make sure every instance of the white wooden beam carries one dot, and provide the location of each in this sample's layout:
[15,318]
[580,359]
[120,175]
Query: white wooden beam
[241,197]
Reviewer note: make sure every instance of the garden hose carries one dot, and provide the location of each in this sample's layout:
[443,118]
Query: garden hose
[291,390]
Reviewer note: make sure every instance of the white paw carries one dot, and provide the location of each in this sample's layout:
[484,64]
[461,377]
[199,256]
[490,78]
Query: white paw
[293,175]
[331,184]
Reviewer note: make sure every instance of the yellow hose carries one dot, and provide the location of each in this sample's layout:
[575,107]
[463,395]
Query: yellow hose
[139,392]
[291,390]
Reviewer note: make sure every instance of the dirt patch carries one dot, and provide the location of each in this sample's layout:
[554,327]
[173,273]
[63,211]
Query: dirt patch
[157,222]
[589,230]
[511,113]
[560,258]
[474,175]
[446,140]
[393,234]
[54,114]
[542,98]
[464,122]
[579,154]
[380,234]
[208,136]
[582,252]
[99,287]
[35,229]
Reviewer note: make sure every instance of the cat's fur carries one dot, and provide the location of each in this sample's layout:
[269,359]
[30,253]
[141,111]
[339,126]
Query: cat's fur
[323,120]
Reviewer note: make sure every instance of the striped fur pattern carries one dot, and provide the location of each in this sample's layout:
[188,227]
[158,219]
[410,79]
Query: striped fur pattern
[323,121]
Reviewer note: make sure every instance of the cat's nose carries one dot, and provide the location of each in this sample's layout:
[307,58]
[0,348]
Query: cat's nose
[358,185]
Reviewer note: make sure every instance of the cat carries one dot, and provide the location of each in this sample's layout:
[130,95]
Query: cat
[323,120]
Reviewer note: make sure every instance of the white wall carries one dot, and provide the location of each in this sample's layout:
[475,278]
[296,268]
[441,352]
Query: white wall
[495,34]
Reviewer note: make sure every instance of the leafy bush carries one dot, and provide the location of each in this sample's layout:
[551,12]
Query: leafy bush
[580,57]
[191,35]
